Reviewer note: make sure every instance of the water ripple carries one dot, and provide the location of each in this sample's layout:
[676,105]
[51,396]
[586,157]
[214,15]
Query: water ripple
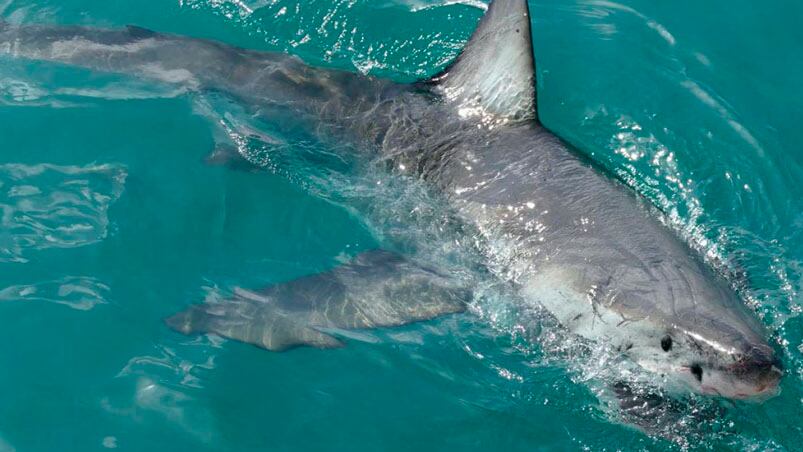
[81,293]
[49,206]
[153,400]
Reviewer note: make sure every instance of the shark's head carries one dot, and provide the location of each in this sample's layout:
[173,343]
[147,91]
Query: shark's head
[713,356]
[699,335]
[676,319]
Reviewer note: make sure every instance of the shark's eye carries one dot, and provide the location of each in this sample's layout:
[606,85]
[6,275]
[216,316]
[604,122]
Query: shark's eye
[666,343]
[697,371]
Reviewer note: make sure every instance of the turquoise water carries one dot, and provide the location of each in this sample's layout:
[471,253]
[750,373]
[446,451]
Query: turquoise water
[111,221]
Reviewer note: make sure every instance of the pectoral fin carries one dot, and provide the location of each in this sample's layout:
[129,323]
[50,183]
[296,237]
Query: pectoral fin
[229,156]
[376,289]
[658,414]
[235,319]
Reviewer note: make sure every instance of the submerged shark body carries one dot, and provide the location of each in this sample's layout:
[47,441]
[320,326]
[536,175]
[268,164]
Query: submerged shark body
[568,237]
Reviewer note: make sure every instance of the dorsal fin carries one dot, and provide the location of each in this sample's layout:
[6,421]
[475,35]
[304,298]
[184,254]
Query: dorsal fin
[139,32]
[494,76]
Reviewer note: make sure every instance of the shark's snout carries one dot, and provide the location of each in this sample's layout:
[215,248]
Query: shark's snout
[761,369]
[757,359]
[754,375]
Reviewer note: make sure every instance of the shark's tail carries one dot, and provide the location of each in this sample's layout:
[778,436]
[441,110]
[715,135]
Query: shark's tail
[79,46]
[135,51]
[130,50]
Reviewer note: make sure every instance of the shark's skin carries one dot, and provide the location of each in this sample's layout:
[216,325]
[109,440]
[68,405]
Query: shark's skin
[566,235]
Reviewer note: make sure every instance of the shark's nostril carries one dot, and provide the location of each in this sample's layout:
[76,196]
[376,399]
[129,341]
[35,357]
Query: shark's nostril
[758,359]
[697,371]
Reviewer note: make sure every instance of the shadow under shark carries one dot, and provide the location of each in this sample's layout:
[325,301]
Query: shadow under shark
[574,241]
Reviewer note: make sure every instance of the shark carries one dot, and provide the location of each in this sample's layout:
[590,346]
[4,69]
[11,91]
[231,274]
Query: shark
[574,240]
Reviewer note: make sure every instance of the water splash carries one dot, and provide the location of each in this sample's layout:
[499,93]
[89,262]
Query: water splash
[331,34]
[417,5]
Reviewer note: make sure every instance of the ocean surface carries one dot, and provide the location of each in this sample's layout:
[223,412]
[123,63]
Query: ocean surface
[112,221]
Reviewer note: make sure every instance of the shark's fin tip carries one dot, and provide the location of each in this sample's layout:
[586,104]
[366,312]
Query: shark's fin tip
[140,32]
[495,73]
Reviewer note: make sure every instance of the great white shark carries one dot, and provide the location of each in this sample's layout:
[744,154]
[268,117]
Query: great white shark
[575,241]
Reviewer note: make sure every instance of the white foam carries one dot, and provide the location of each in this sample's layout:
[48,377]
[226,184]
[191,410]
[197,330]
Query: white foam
[417,5]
